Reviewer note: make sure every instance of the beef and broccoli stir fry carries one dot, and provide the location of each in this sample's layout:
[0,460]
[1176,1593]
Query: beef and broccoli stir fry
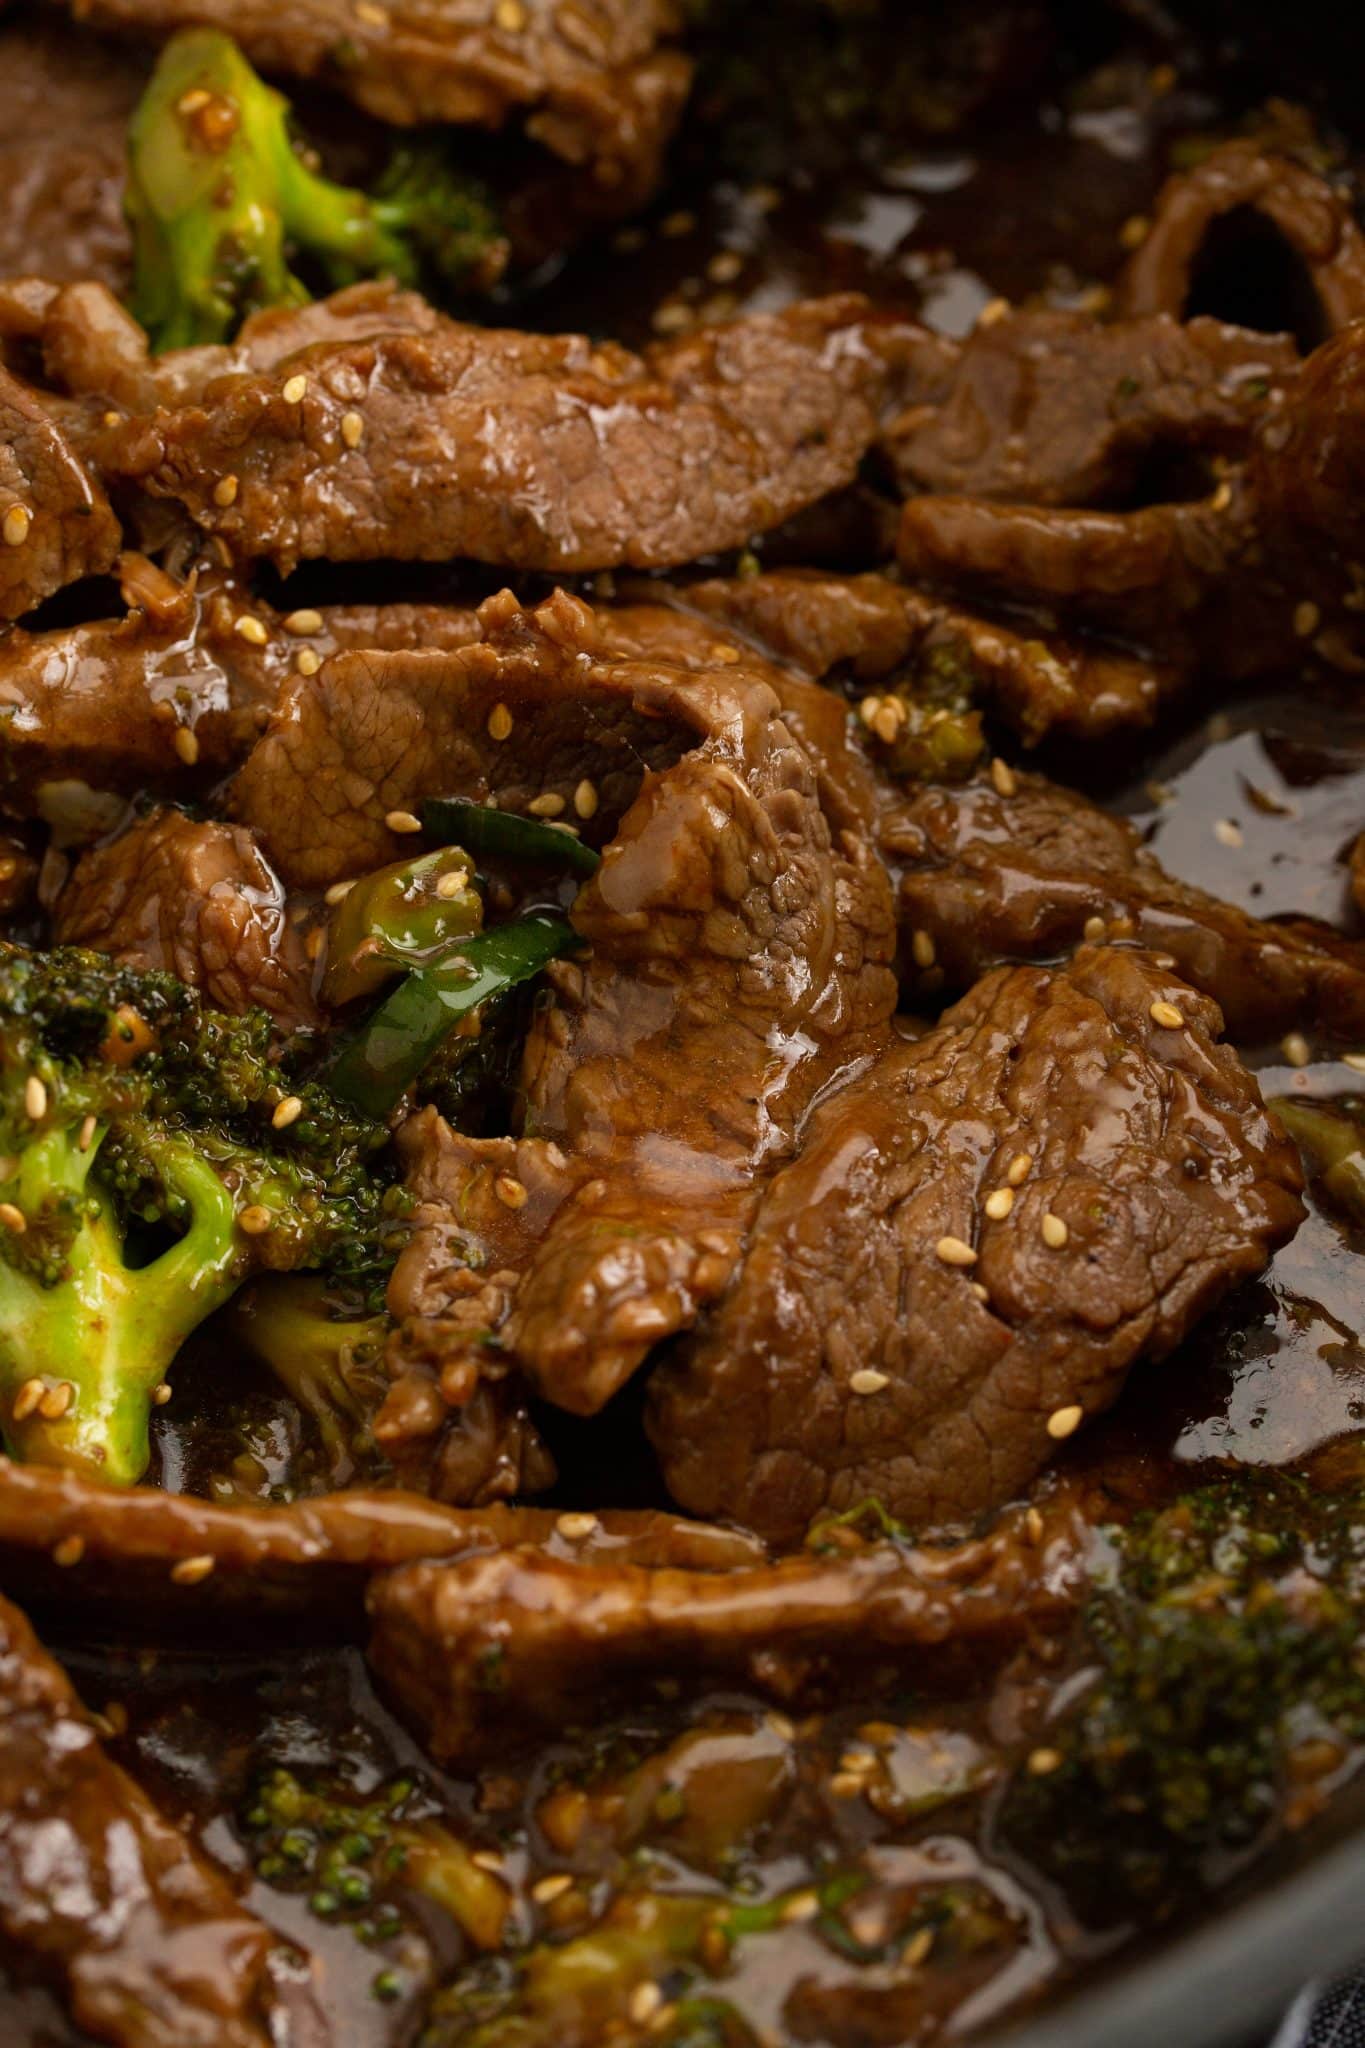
[682,1011]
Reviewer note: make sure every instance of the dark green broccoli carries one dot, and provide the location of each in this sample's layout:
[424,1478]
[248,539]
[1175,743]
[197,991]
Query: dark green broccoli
[222,201]
[328,1355]
[1225,1632]
[1332,1137]
[154,1156]
[356,1855]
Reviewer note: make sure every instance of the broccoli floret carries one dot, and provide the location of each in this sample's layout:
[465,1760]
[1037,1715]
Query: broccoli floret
[1331,1136]
[327,1354]
[221,201]
[154,1155]
[1225,1636]
[357,1855]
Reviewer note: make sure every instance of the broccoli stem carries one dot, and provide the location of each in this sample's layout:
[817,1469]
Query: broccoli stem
[104,1332]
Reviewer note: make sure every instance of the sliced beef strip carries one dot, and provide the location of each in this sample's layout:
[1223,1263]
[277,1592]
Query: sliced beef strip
[199,899]
[1011,867]
[56,524]
[561,1637]
[65,101]
[1144,1137]
[1312,218]
[150,1946]
[739,960]
[868,628]
[1045,408]
[554,453]
[569,74]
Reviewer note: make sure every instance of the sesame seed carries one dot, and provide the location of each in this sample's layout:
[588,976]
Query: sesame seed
[499,722]
[889,720]
[1064,1422]
[1020,1167]
[575,1528]
[510,16]
[193,101]
[161,1393]
[1222,497]
[56,1400]
[13,1219]
[1055,1231]
[308,661]
[255,1219]
[113,419]
[847,1785]
[1042,1762]
[1296,1049]
[27,1399]
[981,1293]
[191,1570]
[916,1950]
[1354,1060]
[339,891]
[402,821]
[287,1112]
[352,429]
[645,2001]
[780,1725]
[86,1135]
[489,1860]
[225,491]
[999,1204]
[35,1099]
[954,1252]
[1227,832]
[548,805]
[867,1380]
[314,943]
[295,389]
[1033,1524]
[585,799]
[247,628]
[373,16]
[868,709]
[547,1889]
[15,525]
[993,312]
[452,885]
[69,1551]
[922,949]
[1094,929]
[1307,619]
[510,1191]
[1135,231]
[303,622]
[1166,1015]
[1004,778]
[186,744]
[671,318]
[725,267]
[800,1906]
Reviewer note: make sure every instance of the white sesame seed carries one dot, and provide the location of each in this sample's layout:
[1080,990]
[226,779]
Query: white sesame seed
[1135,231]
[303,622]
[255,1219]
[56,1400]
[225,491]
[1020,1167]
[1043,1762]
[548,804]
[510,16]
[800,1906]
[402,821]
[575,1528]
[1003,777]
[27,1399]
[489,1860]
[725,266]
[999,1203]
[287,1112]
[867,1380]
[922,949]
[993,312]
[192,1570]
[352,429]
[1296,1049]
[295,389]
[1094,929]
[1166,1015]
[339,891]
[1222,497]
[510,1191]
[1033,1524]
[499,722]
[13,1218]
[916,1950]
[450,886]
[69,1551]
[585,799]
[86,1136]
[645,2001]
[547,1889]
[1354,1060]
[1227,832]
[15,525]
[161,1393]
[35,1099]
[981,1293]
[1307,619]
[307,661]
[186,743]
[247,628]
[1064,1422]
[954,1252]
[1055,1231]
[868,709]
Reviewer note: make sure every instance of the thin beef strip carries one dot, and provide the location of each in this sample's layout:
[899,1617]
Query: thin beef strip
[1048,408]
[199,899]
[1240,185]
[147,1941]
[515,1637]
[1012,867]
[56,524]
[975,1244]
[552,452]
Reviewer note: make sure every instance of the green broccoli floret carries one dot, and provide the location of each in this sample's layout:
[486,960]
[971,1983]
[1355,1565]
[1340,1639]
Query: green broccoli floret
[356,1855]
[1225,1636]
[154,1155]
[327,1354]
[222,201]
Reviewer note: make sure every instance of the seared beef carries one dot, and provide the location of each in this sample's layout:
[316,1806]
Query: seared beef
[198,899]
[55,522]
[571,74]
[1306,479]
[65,100]
[150,1945]
[558,1637]
[1011,867]
[1243,186]
[739,960]
[552,452]
[870,628]
[1055,409]
[975,1244]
